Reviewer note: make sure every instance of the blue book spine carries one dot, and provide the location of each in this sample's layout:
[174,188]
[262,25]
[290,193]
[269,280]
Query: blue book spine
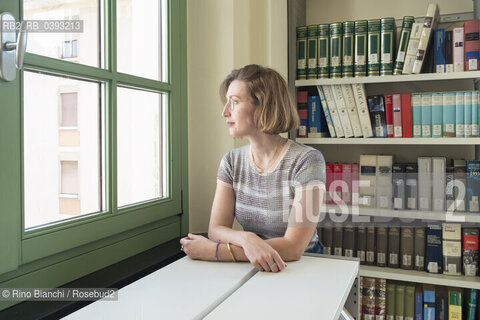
[426,115]
[429,305]
[439,38]
[419,305]
[314,115]
[473,185]
[460,114]
[433,254]
[468,114]
[326,112]
[449,114]
[475,132]
[416,102]
[437,115]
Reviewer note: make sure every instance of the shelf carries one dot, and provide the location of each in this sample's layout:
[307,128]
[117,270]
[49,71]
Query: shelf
[459,217]
[419,277]
[399,78]
[392,141]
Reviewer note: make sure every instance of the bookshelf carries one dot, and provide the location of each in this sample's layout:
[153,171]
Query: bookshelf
[347,150]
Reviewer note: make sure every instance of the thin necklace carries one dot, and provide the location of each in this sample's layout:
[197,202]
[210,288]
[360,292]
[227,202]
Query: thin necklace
[270,162]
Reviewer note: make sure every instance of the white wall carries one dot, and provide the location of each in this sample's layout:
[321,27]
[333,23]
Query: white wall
[223,35]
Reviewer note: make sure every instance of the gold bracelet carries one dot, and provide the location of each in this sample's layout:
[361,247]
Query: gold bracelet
[231,253]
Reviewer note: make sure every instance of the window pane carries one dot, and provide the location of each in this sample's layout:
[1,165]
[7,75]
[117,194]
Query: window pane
[141,38]
[60,162]
[141,144]
[59,44]
[69,109]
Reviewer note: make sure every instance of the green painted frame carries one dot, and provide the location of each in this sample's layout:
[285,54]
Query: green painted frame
[35,258]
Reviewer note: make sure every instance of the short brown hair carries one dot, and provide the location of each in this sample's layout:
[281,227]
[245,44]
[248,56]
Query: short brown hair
[276,111]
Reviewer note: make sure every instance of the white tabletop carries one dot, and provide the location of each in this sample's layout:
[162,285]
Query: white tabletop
[312,288]
[185,289]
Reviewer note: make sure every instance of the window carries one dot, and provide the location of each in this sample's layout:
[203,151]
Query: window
[69,49]
[69,110]
[69,184]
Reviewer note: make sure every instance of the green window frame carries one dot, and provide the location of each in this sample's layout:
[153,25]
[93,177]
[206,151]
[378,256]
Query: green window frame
[54,255]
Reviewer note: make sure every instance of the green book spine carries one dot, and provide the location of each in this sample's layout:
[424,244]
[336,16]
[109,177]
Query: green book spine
[323,51]
[391,290]
[348,48]
[373,61]
[312,57]
[387,39]
[360,48]
[454,304]
[409,311]
[471,304]
[402,45]
[336,31]
[400,301]
[301,53]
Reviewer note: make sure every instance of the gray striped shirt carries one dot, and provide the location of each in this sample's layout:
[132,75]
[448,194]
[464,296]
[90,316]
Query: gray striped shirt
[263,201]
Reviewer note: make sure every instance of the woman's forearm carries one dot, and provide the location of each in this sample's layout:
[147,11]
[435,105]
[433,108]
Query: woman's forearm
[226,234]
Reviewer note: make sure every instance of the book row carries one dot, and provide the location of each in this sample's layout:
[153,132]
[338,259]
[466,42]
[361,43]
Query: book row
[345,111]
[382,299]
[438,248]
[369,47]
[427,185]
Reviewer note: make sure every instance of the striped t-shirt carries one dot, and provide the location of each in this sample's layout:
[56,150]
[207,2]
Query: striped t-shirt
[263,200]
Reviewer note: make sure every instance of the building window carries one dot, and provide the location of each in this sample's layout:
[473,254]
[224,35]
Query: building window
[70,48]
[68,113]
[69,182]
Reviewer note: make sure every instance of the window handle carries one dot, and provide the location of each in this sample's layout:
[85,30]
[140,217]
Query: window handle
[11,52]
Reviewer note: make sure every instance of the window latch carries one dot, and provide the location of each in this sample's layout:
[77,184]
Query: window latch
[11,52]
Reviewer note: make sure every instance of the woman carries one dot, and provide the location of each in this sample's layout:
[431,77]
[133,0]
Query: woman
[273,186]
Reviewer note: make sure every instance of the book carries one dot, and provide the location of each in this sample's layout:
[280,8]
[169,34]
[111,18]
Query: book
[336,34]
[400,301]
[471,304]
[362,109]
[418,302]
[467,113]
[301,53]
[397,115]
[452,248]
[338,240]
[441,303]
[460,184]
[437,115]
[411,185]
[398,181]
[312,55]
[448,50]
[409,304]
[475,118]
[384,181]
[336,187]
[352,112]
[360,68]
[367,291]
[380,298]
[449,110]
[455,303]
[439,38]
[402,45]
[367,187]
[361,244]
[438,183]
[302,106]
[470,251]
[376,107]
[473,185]
[393,247]
[426,115]
[370,252]
[373,47]
[327,238]
[389,114]
[355,178]
[349,241]
[387,40]
[316,127]
[326,112]
[416,115]
[329,186]
[382,246]
[323,51]
[347,183]
[472,45]
[428,302]
[419,249]
[390,301]
[433,251]
[332,107]
[449,187]
[415,35]
[425,39]
[406,115]
[406,247]
[348,48]
[342,110]
[425,183]
[458,50]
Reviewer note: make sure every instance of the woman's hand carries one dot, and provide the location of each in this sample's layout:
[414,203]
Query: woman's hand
[262,255]
[198,247]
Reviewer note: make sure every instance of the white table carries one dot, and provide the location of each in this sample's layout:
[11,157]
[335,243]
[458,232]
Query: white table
[314,287]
